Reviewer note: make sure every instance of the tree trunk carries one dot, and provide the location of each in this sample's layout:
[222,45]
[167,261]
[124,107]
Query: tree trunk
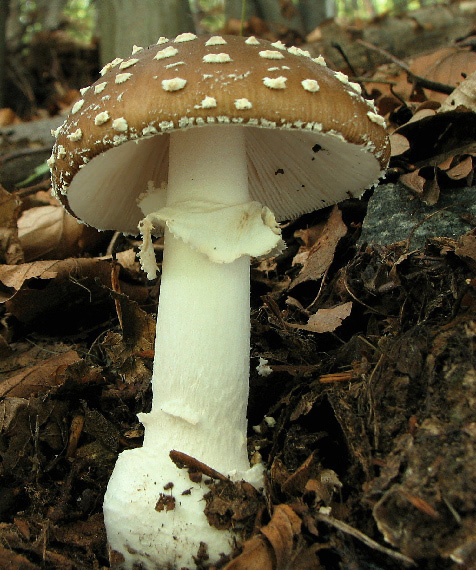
[123,23]
[3,49]
[51,13]
[313,12]
[274,12]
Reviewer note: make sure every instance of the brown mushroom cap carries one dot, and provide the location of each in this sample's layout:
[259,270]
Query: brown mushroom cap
[312,140]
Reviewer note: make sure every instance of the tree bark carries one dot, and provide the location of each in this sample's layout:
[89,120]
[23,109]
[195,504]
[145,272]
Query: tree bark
[268,10]
[123,23]
[51,13]
[3,49]
[313,12]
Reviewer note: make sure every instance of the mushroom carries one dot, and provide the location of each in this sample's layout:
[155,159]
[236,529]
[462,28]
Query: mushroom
[206,139]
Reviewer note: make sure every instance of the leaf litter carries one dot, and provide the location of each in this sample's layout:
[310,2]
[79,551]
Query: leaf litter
[363,380]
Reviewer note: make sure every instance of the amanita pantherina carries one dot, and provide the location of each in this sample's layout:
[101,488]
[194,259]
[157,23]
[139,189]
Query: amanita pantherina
[193,135]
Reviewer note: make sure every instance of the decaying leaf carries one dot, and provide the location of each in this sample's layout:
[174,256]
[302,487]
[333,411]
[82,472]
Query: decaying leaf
[448,66]
[49,232]
[10,249]
[320,242]
[399,144]
[38,378]
[65,294]
[275,547]
[256,555]
[130,350]
[327,320]
[461,170]
[463,96]
[438,137]
[13,277]
[466,250]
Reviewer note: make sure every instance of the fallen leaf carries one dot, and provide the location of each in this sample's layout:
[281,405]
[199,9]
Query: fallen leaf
[434,139]
[461,170]
[463,96]
[399,144]
[128,350]
[413,181]
[466,250]
[297,481]
[9,559]
[50,232]
[447,65]
[281,531]
[14,276]
[8,117]
[38,378]
[317,255]
[422,113]
[10,249]
[256,555]
[326,320]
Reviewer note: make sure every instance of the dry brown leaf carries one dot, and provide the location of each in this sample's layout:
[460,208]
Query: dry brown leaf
[463,96]
[466,250]
[422,113]
[14,277]
[13,561]
[280,532]
[38,378]
[127,350]
[8,117]
[390,82]
[297,481]
[448,66]
[436,138]
[413,181]
[317,255]
[10,249]
[256,555]
[326,320]
[461,170]
[428,190]
[128,259]
[50,232]
[9,408]
[399,144]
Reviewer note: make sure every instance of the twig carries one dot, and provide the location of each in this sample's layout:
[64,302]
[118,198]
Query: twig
[29,190]
[344,527]
[368,307]
[416,79]
[243,16]
[23,152]
[340,49]
[360,79]
[183,460]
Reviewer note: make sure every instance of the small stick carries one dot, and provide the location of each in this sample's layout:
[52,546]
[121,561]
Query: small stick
[243,15]
[340,49]
[416,79]
[183,460]
[344,527]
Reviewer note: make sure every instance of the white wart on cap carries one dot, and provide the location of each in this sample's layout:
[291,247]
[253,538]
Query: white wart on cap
[312,140]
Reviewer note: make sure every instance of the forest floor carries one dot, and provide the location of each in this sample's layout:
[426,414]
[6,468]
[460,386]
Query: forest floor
[362,391]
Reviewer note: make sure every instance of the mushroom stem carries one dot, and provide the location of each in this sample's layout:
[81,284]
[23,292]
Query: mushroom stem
[200,377]
[201,367]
